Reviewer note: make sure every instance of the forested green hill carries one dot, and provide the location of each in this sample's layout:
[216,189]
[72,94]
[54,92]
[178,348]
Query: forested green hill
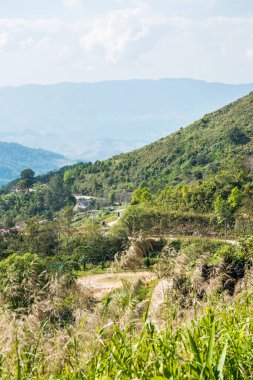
[15,157]
[195,235]
[94,121]
[206,164]
[219,143]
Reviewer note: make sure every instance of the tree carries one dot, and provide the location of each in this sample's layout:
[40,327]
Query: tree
[136,197]
[237,136]
[146,196]
[8,220]
[58,195]
[235,198]
[222,210]
[67,215]
[112,197]
[42,237]
[69,176]
[141,196]
[27,178]
[185,194]
[137,218]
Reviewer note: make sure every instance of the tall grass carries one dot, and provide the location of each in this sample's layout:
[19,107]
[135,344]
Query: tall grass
[119,339]
[216,343]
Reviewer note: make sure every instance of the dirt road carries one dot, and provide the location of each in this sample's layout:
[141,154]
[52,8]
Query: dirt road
[102,284]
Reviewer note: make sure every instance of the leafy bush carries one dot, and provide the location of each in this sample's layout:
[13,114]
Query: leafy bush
[230,254]
[237,136]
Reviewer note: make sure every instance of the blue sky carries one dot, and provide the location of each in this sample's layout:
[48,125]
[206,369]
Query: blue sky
[48,41]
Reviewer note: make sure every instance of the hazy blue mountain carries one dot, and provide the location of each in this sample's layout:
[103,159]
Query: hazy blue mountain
[15,157]
[93,121]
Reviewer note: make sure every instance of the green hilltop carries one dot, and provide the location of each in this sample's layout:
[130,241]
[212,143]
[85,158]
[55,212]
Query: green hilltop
[219,142]
[186,172]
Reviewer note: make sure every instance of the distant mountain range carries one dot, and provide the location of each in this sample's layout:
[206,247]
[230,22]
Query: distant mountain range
[91,121]
[15,157]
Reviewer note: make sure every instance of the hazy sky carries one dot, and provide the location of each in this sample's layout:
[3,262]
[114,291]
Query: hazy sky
[47,41]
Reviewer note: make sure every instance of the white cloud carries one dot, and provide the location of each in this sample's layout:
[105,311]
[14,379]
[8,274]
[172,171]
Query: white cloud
[72,3]
[30,43]
[45,26]
[27,43]
[22,33]
[206,3]
[130,38]
[212,48]
[249,53]
[122,35]
[64,51]
[4,39]
[110,5]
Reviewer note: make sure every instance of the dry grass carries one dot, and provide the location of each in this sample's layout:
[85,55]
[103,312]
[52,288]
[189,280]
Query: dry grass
[72,335]
[132,258]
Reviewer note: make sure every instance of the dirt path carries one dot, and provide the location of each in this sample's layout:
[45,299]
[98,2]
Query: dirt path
[102,284]
[231,242]
[110,224]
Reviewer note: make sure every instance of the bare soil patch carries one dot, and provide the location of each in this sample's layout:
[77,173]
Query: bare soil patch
[102,284]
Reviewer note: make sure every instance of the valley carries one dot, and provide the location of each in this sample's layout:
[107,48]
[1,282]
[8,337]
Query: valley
[94,121]
[126,190]
[136,267]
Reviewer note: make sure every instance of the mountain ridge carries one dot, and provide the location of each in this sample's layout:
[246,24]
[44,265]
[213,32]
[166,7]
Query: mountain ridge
[77,119]
[212,144]
[15,157]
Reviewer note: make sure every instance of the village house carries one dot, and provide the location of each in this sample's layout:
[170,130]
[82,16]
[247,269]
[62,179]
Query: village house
[82,202]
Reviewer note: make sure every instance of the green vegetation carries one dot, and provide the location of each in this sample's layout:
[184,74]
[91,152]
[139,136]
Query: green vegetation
[218,146]
[203,169]
[197,331]
[211,347]
[43,200]
[22,277]
[179,210]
